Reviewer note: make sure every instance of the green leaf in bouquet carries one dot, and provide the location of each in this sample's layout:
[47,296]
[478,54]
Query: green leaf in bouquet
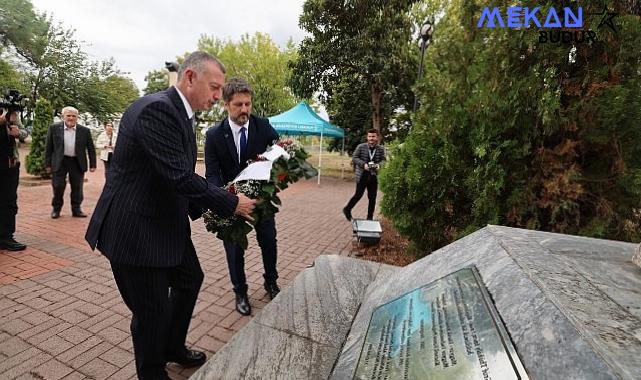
[269,188]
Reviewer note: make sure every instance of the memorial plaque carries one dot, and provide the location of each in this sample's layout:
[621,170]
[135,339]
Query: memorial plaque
[448,329]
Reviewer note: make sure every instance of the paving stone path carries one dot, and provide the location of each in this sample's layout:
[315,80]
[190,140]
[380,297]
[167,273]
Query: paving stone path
[61,316]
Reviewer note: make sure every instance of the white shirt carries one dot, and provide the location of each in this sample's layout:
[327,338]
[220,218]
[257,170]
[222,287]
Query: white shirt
[190,112]
[70,140]
[235,128]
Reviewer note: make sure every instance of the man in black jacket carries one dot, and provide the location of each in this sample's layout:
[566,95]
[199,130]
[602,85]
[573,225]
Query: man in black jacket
[68,144]
[239,138]
[9,174]
[367,159]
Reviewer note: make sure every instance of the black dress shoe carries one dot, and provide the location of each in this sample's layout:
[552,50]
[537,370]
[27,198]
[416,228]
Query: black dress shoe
[347,213]
[9,244]
[79,214]
[272,289]
[242,304]
[55,214]
[187,358]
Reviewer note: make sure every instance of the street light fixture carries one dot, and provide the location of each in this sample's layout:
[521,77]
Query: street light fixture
[427,29]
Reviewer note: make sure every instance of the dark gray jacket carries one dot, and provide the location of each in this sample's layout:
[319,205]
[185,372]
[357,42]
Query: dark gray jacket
[361,156]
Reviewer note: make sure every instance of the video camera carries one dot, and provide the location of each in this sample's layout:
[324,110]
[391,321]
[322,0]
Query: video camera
[13,101]
[373,167]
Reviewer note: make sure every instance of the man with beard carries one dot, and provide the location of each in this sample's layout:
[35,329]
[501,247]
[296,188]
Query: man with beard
[367,159]
[241,137]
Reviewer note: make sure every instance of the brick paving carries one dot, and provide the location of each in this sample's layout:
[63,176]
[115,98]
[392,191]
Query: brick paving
[61,316]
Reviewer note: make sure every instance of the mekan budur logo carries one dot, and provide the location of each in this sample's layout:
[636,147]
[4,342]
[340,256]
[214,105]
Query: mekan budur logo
[559,26]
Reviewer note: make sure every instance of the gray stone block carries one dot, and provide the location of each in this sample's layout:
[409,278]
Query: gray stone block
[571,306]
[300,333]
[260,352]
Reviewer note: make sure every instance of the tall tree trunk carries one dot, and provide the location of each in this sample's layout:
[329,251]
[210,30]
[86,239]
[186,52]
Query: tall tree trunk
[377,94]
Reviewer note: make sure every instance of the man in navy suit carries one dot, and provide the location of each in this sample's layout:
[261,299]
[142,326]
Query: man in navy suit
[141,221]
[239,138]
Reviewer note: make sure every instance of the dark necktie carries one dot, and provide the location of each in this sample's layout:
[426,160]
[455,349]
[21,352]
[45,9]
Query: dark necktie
[243,145]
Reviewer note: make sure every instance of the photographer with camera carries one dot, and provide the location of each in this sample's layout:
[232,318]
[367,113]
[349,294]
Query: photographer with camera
[10,131]
[367,159]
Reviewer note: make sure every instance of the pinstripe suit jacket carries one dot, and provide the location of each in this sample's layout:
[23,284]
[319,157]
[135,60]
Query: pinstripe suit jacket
[141,218]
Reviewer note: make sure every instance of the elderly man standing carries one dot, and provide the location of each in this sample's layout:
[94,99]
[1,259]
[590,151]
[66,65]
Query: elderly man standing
[68,144]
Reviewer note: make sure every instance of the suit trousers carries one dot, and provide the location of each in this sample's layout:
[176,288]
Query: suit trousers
[162,301]
[76,178]
[8,201]
[369,182]
[266,236]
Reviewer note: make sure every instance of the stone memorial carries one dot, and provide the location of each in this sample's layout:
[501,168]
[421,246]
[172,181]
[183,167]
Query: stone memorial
[501,303]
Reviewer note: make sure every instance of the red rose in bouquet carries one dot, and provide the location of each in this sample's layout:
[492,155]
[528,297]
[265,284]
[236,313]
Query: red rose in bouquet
[284,171]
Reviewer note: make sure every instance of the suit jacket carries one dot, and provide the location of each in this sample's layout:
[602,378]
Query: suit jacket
[221,157]
[55,148]
[361,157]
[141,218]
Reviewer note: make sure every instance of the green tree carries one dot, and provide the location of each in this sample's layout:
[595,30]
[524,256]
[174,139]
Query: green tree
[59,73]
[358,45]
[255,58]
[55,66]
[10,78]
[157,80]
[106,92]
[516,132]
[262,64]
[43,117]
[20,27]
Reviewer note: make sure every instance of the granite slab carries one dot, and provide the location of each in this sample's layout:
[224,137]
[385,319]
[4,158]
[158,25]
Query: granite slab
[570,305]
[300,333]
[540,332]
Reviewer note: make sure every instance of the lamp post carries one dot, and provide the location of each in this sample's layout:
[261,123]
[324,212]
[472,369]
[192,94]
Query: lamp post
[426,37]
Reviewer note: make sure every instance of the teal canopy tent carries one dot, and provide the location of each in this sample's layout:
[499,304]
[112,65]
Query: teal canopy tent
[301,120]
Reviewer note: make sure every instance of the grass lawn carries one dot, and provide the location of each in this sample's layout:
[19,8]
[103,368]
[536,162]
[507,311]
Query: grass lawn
[332,163]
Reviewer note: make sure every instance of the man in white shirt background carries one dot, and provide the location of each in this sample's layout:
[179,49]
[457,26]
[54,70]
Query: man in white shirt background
[68,145]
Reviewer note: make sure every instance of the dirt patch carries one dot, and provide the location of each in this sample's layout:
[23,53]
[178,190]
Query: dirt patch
[390,250]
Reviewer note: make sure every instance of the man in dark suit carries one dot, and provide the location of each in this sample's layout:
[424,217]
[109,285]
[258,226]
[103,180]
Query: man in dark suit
[141,221]
[68,144]
[238,138]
